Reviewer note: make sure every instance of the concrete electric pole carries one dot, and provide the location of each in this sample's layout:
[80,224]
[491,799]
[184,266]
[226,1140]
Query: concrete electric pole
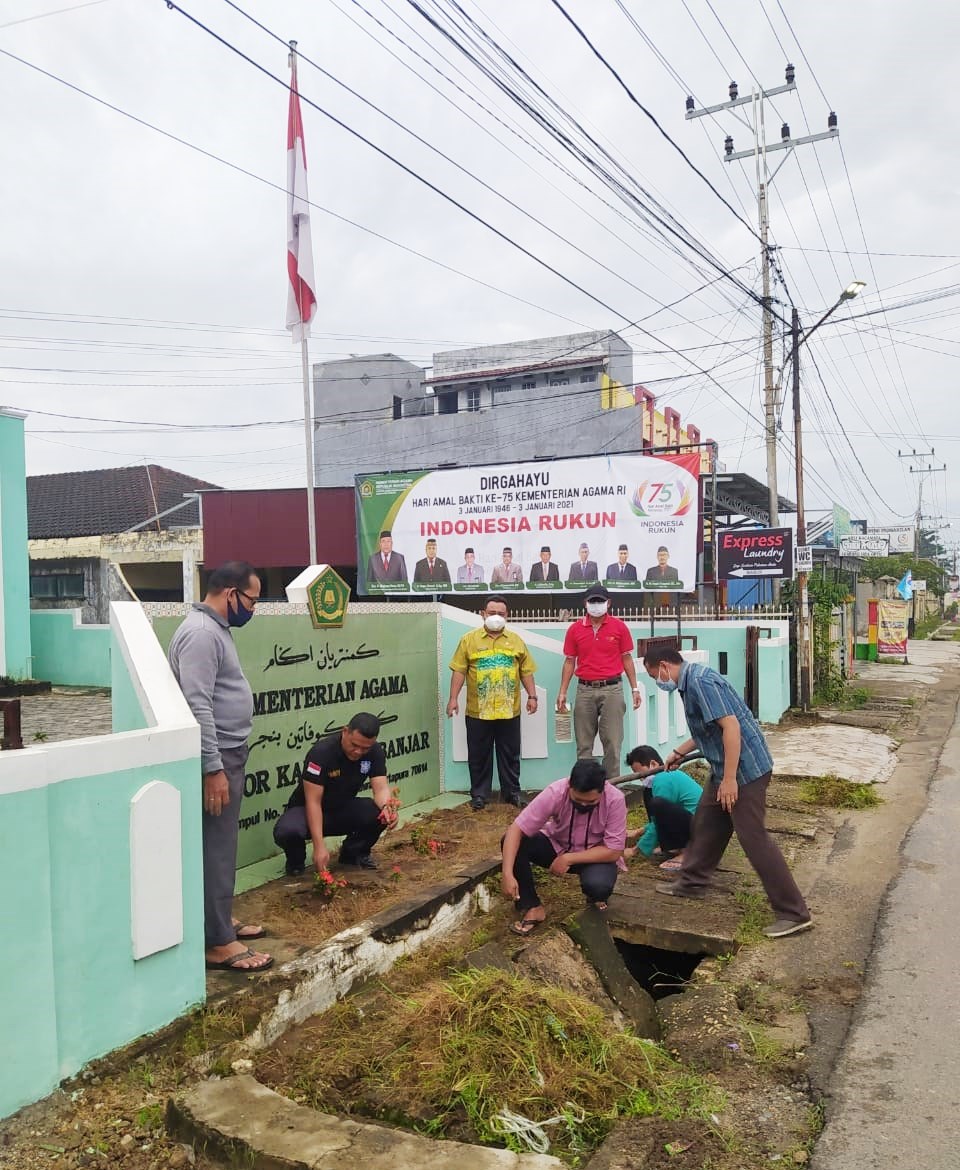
[756,124]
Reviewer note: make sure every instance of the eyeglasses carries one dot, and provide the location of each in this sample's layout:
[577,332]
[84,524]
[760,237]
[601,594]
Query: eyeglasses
[246,596]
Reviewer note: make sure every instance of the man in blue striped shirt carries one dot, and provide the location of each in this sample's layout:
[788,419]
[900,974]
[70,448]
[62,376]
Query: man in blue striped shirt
[724,729]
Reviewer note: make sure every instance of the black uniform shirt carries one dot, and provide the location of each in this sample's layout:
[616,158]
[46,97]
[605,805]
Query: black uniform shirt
[342,778]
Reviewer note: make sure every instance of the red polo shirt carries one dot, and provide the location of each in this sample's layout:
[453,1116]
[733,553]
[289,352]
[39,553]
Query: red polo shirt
[599,653]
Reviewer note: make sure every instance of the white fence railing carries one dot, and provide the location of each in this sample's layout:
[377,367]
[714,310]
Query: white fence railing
[692,613]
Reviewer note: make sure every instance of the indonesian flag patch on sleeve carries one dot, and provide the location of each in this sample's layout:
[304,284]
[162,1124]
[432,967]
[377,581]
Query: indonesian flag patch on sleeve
[314,769]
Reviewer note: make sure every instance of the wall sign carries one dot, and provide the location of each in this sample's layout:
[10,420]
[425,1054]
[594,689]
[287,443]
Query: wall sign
[750,553]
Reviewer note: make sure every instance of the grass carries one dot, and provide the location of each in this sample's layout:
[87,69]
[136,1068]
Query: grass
[756,915]
[854,698]
[832,791]
[458,1056]
[211,1028]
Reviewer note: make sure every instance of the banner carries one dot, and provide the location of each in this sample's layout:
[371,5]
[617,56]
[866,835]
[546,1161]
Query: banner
[308,683]
[629,521]
[892,628]
[900,537]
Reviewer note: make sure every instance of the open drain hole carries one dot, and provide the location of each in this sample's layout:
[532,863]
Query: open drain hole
[658,971]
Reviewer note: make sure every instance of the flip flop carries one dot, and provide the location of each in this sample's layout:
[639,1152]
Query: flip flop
[230,964]
[249,933]
[671,864]
[526,926]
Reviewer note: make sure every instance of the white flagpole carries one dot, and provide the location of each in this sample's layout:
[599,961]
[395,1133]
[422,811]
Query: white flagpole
[308,435]
[301,324]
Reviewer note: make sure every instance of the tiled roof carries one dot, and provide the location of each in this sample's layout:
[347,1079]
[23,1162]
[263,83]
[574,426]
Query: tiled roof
[93,503]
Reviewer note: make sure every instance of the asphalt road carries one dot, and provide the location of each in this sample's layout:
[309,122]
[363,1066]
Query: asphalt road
[895,1096]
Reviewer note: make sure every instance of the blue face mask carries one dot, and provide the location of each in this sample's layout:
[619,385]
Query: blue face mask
[666,684]
[238,617]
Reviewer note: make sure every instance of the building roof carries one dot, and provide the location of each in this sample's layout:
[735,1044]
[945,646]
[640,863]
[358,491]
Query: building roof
[739,494]
[114,499]
[506,371]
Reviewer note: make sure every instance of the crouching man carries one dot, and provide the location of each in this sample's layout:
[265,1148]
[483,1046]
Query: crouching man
[325,802]
[573,826]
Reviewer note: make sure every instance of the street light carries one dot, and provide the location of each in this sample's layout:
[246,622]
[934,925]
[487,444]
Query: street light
[804,646]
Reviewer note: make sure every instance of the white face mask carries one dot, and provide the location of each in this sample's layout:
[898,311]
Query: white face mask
[597,608]
[494,622]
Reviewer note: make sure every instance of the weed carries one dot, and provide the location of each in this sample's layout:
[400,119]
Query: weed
[150,1117]
[766,1051]
[450,1055]
[855,698]
[212,1026]
[480,937]
[755,917]
[40,737]
[833,791]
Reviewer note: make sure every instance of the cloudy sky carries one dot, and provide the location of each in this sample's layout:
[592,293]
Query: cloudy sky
[143,278]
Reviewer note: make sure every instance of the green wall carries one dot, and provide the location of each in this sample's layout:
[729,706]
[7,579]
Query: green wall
[66,654]
[71,989]
[308,683]
[15,575]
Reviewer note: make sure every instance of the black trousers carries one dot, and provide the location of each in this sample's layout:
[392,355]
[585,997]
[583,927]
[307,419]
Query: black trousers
[356,821]
[483,736]
[597,878]
[673,822]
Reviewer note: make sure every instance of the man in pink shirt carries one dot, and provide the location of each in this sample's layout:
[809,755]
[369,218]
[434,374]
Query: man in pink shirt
[573,826]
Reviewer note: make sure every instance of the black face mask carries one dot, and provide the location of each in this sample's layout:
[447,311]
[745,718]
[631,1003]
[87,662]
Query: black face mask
[579,807]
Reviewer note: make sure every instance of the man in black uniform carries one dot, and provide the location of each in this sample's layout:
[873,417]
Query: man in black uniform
[326,803]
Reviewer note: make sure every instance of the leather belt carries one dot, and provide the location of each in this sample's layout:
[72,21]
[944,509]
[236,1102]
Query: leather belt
[599,682]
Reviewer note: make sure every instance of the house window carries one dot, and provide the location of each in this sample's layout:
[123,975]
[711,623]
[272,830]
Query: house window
[52,586]
[473,399]
[529,384]
[447,402]
[559,381]
[591,377]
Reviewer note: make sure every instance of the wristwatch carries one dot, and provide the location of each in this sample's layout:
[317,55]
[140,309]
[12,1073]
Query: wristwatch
[637,691]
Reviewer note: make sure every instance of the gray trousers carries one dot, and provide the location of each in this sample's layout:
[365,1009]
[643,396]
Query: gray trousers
[711,832]
[600,710]
[220,854]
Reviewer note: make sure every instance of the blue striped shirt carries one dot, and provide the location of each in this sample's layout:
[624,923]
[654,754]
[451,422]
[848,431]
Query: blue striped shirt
[707,697]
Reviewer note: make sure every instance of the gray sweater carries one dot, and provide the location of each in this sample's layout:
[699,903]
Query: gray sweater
[206,665]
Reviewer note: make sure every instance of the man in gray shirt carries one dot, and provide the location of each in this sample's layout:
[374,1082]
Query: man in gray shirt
[206,665]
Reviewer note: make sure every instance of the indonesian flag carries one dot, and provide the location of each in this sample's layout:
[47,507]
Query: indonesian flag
[301,297]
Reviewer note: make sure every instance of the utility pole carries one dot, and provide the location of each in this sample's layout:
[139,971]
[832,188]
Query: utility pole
[923,458]
[804,665]
[761,148]
[804,641]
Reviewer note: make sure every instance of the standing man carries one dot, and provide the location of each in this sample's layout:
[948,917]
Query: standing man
[544,569]
[583,569]
[326,802]
[495,663]
[507,573]
[205,663]
[598,648]
[386,565]
[735,800]
[662,570]
[469,572]
[431,569]
[622,570]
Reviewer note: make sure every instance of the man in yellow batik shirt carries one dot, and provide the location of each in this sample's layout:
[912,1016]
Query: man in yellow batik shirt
[495,663]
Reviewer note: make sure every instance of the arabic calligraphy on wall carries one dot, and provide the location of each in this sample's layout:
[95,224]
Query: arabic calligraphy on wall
[383,663]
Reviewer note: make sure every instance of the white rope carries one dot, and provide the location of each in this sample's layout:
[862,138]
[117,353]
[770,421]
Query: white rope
[530,1133]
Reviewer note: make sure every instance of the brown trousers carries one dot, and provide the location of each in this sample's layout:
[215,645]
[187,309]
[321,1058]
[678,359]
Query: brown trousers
[711,832]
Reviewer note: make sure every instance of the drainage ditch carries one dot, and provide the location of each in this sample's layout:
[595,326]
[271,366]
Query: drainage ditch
[659,972]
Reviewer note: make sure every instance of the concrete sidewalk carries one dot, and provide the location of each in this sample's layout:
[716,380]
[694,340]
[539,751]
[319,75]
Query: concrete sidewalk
[895,1096]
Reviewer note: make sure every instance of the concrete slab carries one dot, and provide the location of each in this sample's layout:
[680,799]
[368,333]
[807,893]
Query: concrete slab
[638,914]
[925,664]
[857,754]
[245,1123]
[591,932]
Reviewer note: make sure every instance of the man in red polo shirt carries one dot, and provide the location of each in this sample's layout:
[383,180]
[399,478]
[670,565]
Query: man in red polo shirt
[599,650]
